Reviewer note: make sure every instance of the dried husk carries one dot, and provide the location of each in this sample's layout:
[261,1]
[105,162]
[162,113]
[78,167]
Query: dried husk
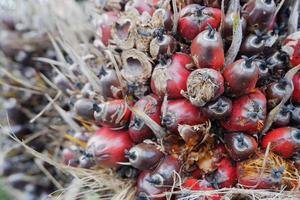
[137,67]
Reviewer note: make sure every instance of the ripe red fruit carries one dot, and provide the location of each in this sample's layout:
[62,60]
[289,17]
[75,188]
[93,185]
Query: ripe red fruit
[195,18]
[144,156]
[241,76]
[276,91]
[225,176]
[107,20]
[163,175]
[109,83]
[207,50]
[145,189]
[240,146]
[278,62]
[292,47]
[248,113]
[253,44]
[285,141]
[162,44]
[170,77]
[204,85]
[218,109]
[140,5]
[198,185]
[263,69]
[138,130]
[113,114]
[180,112]
[259,13]
[296,92]
[107,147]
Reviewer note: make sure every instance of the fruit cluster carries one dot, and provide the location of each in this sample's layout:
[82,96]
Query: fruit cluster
[177,100]
[189,96]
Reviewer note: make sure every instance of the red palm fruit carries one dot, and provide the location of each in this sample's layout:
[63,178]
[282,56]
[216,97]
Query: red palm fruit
[138,130]
[218,109]
[195,18]
[181,112]
[253,44]
[162,44]
[204,85]
[198,185]
[296,92]
[292,47]
[285,141]
[107,147]
[163,174]
[113,114]
[225,176]
[259,13]
[109,83]
[248,113]
[107,20]
[276,91]
[207,49]
[241,76]
[240,146]
[145,189]
[263,69]
[278,62]
[271,172]
[170,78]
[191,184]
[144,156]
[140,5]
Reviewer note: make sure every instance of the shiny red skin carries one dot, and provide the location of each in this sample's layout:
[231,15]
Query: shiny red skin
[285,141]
[141,6]
[240,146]
[181,111]
[226,174]
[207,52]
[296,92]
[108,147]
[239,78]
[190,25]
[166,168]
[151,106]
[113,108]
[292,47]
[259,12]
[148,189]
[198,185]
[240,120]
[177,74]
[108,19]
